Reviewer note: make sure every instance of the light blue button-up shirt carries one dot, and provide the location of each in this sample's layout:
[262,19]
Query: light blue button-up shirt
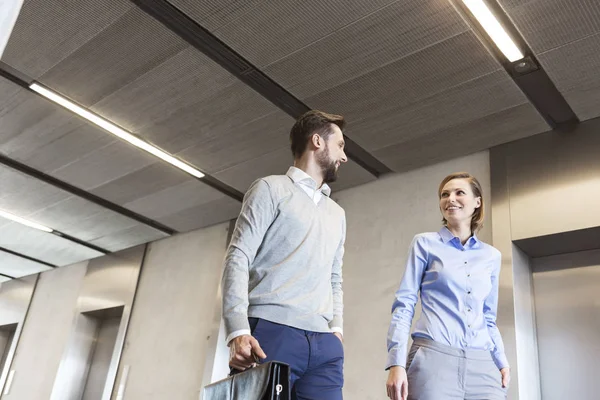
[459,296]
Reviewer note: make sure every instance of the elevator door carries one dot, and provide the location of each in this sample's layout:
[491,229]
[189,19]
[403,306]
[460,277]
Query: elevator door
[567,304]
[7,334]
[101,358]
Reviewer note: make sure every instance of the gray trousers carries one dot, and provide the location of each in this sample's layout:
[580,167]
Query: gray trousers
[439,372]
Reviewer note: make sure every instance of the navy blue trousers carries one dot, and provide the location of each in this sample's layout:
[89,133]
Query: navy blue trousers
[316,359]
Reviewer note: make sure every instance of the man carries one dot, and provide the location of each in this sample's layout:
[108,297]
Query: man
[282,285]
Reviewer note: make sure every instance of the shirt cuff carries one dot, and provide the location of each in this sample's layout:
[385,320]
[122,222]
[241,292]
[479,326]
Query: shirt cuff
[395,358]
[235,334]
[337,329]
[500,360]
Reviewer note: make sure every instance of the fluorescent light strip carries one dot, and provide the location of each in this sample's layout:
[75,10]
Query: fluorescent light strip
[493,28]
[23,221]
[115,130]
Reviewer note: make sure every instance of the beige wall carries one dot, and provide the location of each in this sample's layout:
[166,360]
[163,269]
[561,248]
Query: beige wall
[170,327]
[383,217]
[45,333]
[554,181]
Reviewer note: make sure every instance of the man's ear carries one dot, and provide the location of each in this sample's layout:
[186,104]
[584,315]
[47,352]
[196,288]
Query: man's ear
[317,141]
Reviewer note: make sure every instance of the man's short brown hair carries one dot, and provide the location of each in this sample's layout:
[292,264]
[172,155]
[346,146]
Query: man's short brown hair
[309,123]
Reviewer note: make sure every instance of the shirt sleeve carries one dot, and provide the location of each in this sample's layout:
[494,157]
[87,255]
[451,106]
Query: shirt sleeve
[403,308]
[490,307]
[257,214]
[337,323]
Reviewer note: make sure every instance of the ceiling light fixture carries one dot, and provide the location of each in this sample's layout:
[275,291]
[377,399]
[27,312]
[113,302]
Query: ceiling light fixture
[494,29]
[115,130]
[23,221]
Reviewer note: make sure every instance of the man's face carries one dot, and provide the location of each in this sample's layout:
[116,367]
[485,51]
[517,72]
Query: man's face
[332,155]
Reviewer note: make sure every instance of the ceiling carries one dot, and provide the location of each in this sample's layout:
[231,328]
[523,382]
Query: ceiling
[412,78]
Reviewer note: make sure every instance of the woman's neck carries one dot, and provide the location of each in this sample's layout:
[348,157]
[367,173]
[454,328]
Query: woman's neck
[461,231]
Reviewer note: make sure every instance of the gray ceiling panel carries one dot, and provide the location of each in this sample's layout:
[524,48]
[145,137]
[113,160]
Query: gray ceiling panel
[272,30]
[41,245]
[151,179]
[48,130]
[183,80]
[21,112]
[242,143]
[48,31]
[104,165]
[43,135]
[45,204]
[213,14]
[128,238]
[22,195]
[66,145]
[230,108]
[131,46]
[17,267]
[402,84]
[82,219]
[174,199]
[403,28]
[277,163]
[473,136]
[203,215]
[473,100]
[548,24]
[574,70]
[7,91]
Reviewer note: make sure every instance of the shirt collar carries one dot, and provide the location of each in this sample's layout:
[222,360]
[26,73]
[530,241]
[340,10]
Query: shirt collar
[448,236]
[299,176]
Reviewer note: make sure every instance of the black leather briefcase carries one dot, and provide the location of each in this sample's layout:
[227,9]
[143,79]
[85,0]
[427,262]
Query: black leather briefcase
[268,381]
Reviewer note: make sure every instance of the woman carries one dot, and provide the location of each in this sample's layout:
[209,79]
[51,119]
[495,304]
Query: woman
[457,352]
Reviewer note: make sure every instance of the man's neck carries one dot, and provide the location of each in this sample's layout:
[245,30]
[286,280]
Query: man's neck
[311,168]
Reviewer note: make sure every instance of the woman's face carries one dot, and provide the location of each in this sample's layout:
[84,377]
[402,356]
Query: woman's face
[457,201]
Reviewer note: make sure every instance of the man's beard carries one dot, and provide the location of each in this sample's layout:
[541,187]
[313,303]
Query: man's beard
[328,167]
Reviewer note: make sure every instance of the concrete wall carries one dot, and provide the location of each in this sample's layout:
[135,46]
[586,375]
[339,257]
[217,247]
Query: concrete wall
[568,324]
[170,327]
[45,333]
[383,217]
[554,181]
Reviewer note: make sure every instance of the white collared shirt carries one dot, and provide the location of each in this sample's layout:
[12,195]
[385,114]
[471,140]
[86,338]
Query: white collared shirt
[308,184]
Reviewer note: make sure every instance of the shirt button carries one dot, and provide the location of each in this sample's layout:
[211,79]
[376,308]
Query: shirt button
[469,326]
[465,262]
[468,275]
[469,292]
[469,310]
